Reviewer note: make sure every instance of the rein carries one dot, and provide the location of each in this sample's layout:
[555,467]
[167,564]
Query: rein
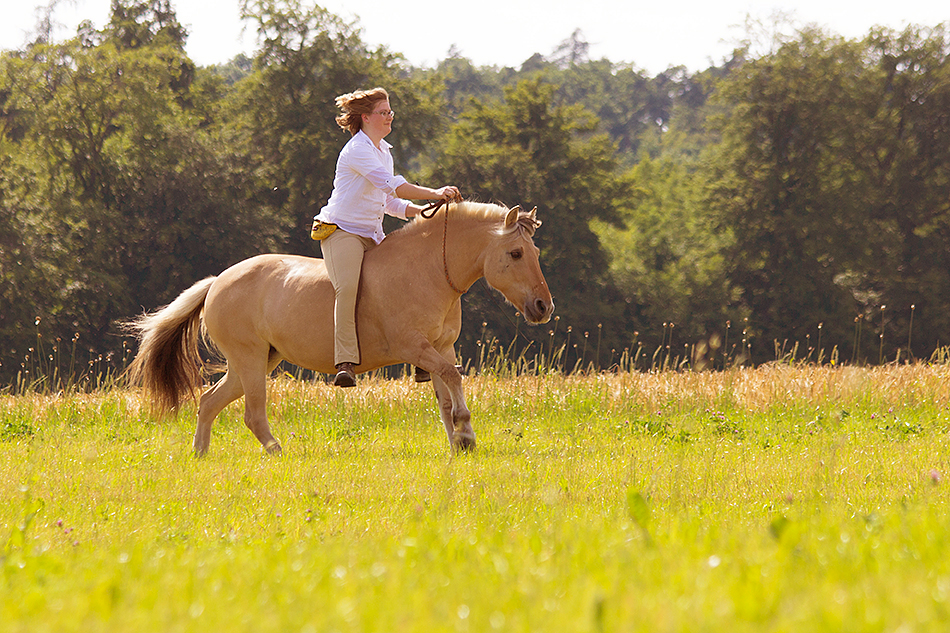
[431,209]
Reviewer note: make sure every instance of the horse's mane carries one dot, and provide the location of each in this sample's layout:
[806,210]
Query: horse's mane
[477,211]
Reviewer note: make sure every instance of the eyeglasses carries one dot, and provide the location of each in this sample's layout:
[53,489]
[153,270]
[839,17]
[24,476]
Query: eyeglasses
[388,114]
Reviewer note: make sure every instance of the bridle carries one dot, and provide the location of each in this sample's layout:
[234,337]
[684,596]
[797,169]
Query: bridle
[431,209]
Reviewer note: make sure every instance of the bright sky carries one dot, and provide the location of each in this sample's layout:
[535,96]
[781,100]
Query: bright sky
[653,36]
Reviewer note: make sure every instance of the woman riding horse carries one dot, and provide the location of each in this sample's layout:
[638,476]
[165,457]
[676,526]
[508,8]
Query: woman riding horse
[274,308]
[364,188]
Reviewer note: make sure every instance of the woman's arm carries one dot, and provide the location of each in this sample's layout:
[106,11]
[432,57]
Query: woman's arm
[408,191]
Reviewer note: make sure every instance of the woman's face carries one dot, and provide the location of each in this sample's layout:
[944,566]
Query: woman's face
[380,122]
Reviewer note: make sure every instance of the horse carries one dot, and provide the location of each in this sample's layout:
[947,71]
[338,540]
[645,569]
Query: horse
[273,308]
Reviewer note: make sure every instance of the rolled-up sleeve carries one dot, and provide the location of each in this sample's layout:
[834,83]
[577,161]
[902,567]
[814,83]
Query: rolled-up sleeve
[385,181]
[388,183]
[397,206]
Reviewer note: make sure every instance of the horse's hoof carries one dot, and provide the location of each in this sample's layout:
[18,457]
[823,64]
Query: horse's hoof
[274,449]
[463,443]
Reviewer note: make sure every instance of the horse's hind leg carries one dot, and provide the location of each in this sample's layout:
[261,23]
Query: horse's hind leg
[223,393]
[212,402]
[253,377]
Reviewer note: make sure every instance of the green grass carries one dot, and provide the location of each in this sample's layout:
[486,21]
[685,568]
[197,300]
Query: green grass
[777,499]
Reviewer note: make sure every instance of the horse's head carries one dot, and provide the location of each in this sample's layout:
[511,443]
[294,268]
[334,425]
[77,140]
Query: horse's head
[512,266]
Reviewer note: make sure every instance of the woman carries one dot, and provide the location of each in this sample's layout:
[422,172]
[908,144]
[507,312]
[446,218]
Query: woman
[364,188]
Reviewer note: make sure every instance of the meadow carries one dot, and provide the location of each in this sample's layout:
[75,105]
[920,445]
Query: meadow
[791,497]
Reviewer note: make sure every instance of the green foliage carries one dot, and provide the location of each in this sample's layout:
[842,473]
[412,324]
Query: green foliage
[532,151]
[462,82]
[285,109]
[829,183]
[120,190]
[780,185]
[903,152]
[633,108]
[667,260]
[138,23]
[800,192]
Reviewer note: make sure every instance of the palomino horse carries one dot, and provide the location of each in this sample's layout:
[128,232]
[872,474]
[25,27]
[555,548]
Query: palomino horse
[272,308]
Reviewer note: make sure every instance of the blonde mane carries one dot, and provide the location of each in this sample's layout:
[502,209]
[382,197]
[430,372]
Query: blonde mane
[478,211]
[475,211]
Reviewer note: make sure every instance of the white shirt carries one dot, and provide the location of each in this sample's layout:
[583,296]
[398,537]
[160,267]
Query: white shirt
[364,189]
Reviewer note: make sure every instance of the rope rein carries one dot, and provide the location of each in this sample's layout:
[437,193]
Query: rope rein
[433,208]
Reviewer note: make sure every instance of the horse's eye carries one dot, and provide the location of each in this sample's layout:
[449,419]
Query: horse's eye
[516,254]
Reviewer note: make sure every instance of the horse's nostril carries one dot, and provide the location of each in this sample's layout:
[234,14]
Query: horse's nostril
[542,306]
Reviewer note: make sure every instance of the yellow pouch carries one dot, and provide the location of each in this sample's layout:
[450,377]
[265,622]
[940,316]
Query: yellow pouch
[321,230]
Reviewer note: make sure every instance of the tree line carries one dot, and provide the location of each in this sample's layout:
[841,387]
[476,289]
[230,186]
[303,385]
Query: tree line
[792,202]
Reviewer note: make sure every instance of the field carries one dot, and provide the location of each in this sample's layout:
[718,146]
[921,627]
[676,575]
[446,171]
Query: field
[785,498]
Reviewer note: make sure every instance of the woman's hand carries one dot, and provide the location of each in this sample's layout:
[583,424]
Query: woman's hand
[449,192]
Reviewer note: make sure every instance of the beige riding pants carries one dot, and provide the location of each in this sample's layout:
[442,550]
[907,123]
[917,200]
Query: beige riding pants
[343,255]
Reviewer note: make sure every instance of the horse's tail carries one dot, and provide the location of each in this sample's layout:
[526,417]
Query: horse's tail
[168,364]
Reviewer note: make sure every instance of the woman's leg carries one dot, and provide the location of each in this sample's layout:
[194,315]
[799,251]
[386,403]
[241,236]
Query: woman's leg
[343,254]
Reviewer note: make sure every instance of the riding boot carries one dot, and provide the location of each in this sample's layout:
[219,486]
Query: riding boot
[345,376]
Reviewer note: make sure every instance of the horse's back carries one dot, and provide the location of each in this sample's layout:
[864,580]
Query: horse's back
[268,279]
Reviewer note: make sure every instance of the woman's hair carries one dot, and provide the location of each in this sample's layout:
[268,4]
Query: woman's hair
[355,104]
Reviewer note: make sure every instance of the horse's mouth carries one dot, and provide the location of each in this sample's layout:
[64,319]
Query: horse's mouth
[539,311]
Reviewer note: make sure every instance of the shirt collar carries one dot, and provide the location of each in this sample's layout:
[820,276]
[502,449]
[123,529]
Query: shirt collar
[364,137]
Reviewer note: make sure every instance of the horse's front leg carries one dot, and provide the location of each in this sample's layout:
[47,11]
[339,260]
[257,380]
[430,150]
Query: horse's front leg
[447,382]
[456,417]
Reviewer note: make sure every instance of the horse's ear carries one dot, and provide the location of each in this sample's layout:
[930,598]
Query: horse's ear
[534,217]
[512,218]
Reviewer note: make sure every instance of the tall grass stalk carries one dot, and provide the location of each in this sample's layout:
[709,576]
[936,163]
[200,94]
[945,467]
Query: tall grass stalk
[880,354]
[910,332]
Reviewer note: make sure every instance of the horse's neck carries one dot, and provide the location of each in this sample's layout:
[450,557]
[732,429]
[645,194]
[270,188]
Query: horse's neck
[460,247]
[465,242]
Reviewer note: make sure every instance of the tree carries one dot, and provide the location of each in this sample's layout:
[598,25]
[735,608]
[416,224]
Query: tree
[903,151]
[120,184]
[462,81]
[137,23]
[572,51]
[531,150]
[833,171]
[668,261]
[30,281]
[779,183]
